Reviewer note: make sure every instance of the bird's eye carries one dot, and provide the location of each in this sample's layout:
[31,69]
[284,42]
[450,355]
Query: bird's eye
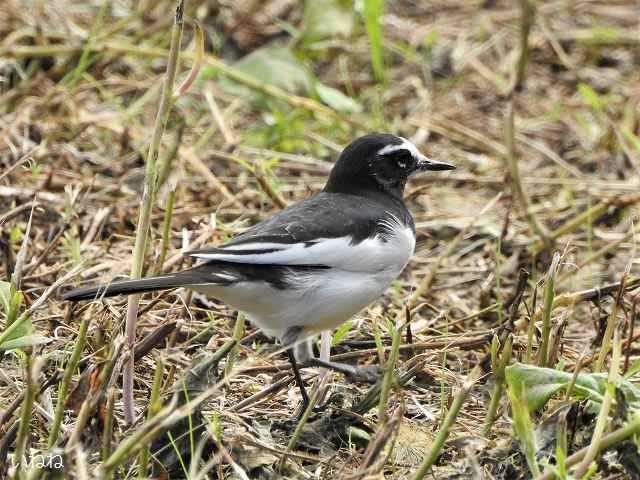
[403,159]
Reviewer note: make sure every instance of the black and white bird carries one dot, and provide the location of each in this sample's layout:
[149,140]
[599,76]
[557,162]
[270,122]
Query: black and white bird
[313,265]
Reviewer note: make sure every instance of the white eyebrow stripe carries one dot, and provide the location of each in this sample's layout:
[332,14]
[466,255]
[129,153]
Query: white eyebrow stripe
[405,145]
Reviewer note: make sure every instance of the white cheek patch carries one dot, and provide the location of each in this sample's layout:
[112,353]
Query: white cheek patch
[405,145]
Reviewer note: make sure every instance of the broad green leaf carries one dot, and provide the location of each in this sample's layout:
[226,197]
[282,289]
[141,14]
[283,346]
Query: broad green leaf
[540,384]
[24,341]
[538,395]
[328,18]
[279,67]
[336,99]
[25,328]
[272,65]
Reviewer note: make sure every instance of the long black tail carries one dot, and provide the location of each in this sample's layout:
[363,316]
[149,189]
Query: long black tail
[205,273]
[126,287]
[208,273]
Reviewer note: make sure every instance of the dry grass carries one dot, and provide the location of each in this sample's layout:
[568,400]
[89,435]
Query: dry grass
[79,90]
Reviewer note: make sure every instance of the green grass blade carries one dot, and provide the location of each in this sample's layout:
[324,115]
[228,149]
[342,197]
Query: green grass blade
[373,10]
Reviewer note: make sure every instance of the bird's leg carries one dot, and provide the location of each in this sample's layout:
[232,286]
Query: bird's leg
[303,353]
[299,352]
[298,377]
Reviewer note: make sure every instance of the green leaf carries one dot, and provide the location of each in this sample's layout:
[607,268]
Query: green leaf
[275,66]
[359,433]
[24,328]
[11,301]
[328,18]
[336,99]
[540,384]
[16,327]
[24,341]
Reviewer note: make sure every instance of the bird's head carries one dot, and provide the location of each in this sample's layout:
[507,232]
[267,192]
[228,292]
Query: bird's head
[379,161]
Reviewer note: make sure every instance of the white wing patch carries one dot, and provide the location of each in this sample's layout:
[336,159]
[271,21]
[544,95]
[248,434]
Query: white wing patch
[389,250]
[226,276]
[323,251]
[243,247]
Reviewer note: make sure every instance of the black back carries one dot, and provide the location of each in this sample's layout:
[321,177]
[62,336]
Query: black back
[326,215]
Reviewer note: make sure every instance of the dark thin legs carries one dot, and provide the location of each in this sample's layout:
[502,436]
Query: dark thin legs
[298,377]
[302,351]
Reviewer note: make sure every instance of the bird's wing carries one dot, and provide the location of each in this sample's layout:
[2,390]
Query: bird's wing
[327,229]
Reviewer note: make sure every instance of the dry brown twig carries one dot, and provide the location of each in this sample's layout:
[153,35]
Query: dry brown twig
[148,195]
[527,13]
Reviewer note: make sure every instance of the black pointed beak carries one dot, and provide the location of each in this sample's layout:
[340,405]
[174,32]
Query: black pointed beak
[425,163]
